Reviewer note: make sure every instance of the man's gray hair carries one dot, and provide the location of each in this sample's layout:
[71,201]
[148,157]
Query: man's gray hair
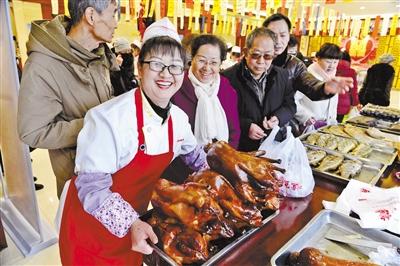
[257,32]
[77,8]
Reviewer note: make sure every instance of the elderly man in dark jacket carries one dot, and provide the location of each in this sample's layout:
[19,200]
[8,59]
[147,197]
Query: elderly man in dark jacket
[265,94]
[302,80]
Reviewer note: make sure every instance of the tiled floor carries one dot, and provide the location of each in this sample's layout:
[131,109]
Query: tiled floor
[48,203]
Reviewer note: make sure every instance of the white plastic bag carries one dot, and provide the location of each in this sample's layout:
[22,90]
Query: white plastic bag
[297,181]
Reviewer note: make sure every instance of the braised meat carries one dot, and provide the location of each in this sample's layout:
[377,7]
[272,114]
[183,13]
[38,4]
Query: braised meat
[314,257]
[192,204]
[184,245]
[253,177]
[223,192]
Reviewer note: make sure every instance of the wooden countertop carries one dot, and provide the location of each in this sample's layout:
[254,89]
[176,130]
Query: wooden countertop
[294,215]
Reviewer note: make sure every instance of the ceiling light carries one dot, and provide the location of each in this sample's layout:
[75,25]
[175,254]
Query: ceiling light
[362,7]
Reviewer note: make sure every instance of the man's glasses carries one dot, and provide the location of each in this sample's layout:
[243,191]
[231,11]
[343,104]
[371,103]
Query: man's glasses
[256,56]
[159,67]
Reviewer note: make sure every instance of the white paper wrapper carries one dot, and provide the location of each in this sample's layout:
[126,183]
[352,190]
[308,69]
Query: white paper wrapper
[377,207]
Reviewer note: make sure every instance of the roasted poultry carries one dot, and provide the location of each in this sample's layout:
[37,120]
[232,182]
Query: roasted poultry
[192,204]
[252,177]
[184,245]
[223,192]
[314,257]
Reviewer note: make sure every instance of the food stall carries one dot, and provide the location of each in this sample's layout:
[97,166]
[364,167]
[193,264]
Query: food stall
[303,222]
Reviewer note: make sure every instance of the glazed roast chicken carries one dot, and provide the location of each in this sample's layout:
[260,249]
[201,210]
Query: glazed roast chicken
[314,257]
[214,204]
[192,204]
[184,245]
[223,192]
[252,176]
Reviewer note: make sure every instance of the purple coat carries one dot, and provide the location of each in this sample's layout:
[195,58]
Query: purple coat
[186,99]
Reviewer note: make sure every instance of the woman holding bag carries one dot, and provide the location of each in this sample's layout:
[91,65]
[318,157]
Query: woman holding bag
[124,146]
[319,113]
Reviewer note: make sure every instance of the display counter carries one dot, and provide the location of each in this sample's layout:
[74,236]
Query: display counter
[294,215]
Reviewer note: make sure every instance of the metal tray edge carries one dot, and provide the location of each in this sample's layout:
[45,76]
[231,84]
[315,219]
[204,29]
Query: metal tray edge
[223,251]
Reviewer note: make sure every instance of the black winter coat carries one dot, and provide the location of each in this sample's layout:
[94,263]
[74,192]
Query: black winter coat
[302,80]
[278,101]
[377,85]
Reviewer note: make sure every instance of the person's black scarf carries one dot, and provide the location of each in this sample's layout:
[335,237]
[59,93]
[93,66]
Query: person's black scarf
[162,112]
[280,60]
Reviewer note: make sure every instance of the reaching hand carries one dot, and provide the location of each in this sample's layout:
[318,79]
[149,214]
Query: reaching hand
[119,59]
[269,124]
[338,85]
[140,232]
[256,132]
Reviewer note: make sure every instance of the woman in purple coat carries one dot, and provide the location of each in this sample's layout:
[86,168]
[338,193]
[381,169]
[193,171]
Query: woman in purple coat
[208,98]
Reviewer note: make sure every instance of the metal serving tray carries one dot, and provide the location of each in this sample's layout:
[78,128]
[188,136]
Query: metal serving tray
[328,222]
[370,172]
[159,257]
[385,155]
[388,146]
[368,121]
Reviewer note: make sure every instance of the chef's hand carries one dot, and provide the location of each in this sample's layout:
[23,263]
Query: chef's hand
[140,232]
[256,132]
[338,85]
[119,59]
[270,123]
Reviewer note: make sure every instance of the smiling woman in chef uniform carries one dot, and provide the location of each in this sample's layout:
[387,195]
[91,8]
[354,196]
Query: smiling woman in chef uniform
[123,148]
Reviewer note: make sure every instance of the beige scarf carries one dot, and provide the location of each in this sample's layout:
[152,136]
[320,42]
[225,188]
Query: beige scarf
[210,121]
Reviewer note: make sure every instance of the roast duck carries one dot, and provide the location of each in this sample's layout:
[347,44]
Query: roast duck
[314,257]
[214,204]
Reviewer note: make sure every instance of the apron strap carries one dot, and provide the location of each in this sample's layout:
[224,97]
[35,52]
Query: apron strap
[140,123]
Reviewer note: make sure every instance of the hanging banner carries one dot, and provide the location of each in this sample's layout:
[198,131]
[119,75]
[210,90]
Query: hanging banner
[189,3]
[190,22]
[393,26]
[127,12]
[385,26]
[365,28]
[225,25]
[356,28]
[216,7]
[325,22]
[171,8]
[163,9]
[196,24]
[241,6]
[332,23]
[376,27]
[214,27]
[329,2]
[224,7]
[209,22]
[243,31]
[196,8]
[234,26]
[146,8]
[207,4]
[263,5]
[152,8]
[346,27]
[318,20]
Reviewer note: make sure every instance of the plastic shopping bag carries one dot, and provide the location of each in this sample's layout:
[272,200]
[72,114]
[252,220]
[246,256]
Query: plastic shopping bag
[297,181]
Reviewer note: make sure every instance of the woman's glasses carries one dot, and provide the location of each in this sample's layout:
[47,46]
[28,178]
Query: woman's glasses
[257,55]
[159,67]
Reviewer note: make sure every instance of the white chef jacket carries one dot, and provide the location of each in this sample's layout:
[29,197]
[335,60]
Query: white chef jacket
[108,140]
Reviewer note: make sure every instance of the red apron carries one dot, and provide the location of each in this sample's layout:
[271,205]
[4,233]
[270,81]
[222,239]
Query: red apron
[83,239]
